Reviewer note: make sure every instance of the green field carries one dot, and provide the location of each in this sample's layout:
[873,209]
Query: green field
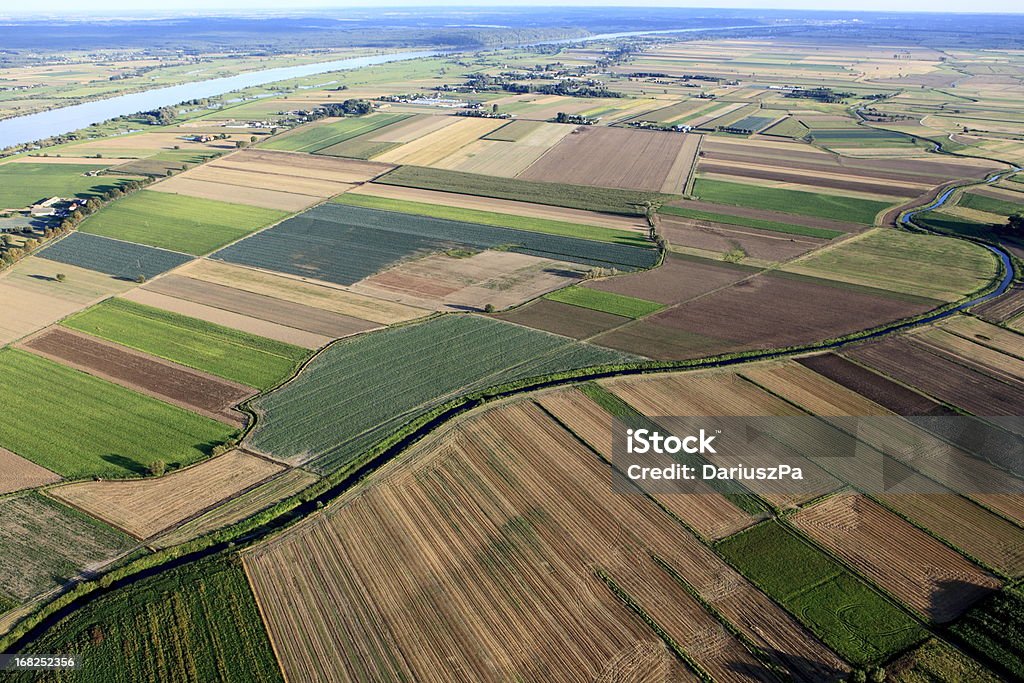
[555,194]
[171,221]
[382,380]
[616,304]
[24,184]
[195,623]
[931,266]
[1000,207]
[223,351]
[994,631]
[742,221]
[938,662]
[957,225]
[504,220]
[848,615]
[514,131]
[358,149]
[317,136]
[78,425]
[788,127]
[836,207]
[44,543]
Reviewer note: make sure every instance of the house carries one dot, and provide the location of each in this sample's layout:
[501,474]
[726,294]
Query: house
[45,207]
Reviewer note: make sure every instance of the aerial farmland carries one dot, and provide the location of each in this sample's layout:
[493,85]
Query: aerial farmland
[328,377]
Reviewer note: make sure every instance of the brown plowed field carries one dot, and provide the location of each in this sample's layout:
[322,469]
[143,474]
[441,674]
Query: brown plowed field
[615,157]
[663,343]
[253,196]
[1003,308]
[678,279]
[17,473]
[441,282]
[177,384]
[879,188]
[260,306]
[944,379]
[245,180]
[565,319]
[765,214]
[828,164]
[722,238]
[919,570]
[508,517]
[709,513]
[789,312]
[148,506]
[883,391]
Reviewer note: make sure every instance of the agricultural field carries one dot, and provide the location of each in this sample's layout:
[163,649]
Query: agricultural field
[176,384]
[628,202]
[240,507]
[344,244]
[522,483]
[44,543]
[328,324]
[919,265]
[34,298]
[619,158]
[534,224]
[478,353]
[22,184]
[436,146]
[198,622]
[461,280]
[835,207]
[119,259]
[920,571]
[17,473]
[186,224]
[323,134]
[94,427]
[938,662]
[608,302]
[992,631]
[856,621]
[208,347]
[146,507]
[315,295]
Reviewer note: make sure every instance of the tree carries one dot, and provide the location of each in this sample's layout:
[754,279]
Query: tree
[252,138]
[60,277]
[494,108]
[877,675]
[1014,225]
[489,308]
[140,278]
[241,144]
[157,468]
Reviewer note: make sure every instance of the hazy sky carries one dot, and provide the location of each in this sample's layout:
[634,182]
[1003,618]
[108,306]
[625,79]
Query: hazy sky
[133,6]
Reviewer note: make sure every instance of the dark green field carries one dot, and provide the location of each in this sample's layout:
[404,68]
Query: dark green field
[196,623]
[848,615]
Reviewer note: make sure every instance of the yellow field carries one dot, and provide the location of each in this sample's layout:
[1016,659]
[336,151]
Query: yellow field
[434,147]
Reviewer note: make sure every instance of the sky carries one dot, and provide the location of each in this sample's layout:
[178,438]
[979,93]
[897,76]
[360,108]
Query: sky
[133,6]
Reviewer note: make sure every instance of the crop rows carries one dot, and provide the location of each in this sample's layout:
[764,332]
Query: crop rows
[113,257]
[381,379]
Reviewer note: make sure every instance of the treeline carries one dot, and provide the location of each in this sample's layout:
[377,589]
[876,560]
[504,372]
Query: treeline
[569,87]
[826,95]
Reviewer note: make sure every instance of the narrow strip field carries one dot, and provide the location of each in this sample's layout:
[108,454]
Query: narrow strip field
[170,382]
[228,353]
[93,427]
[316,137]
[616,304]
[835,207]
[144,508]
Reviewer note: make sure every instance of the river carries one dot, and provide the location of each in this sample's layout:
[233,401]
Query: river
[22,129]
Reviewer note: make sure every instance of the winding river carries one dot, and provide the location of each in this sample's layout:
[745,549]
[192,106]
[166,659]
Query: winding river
[23,129]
